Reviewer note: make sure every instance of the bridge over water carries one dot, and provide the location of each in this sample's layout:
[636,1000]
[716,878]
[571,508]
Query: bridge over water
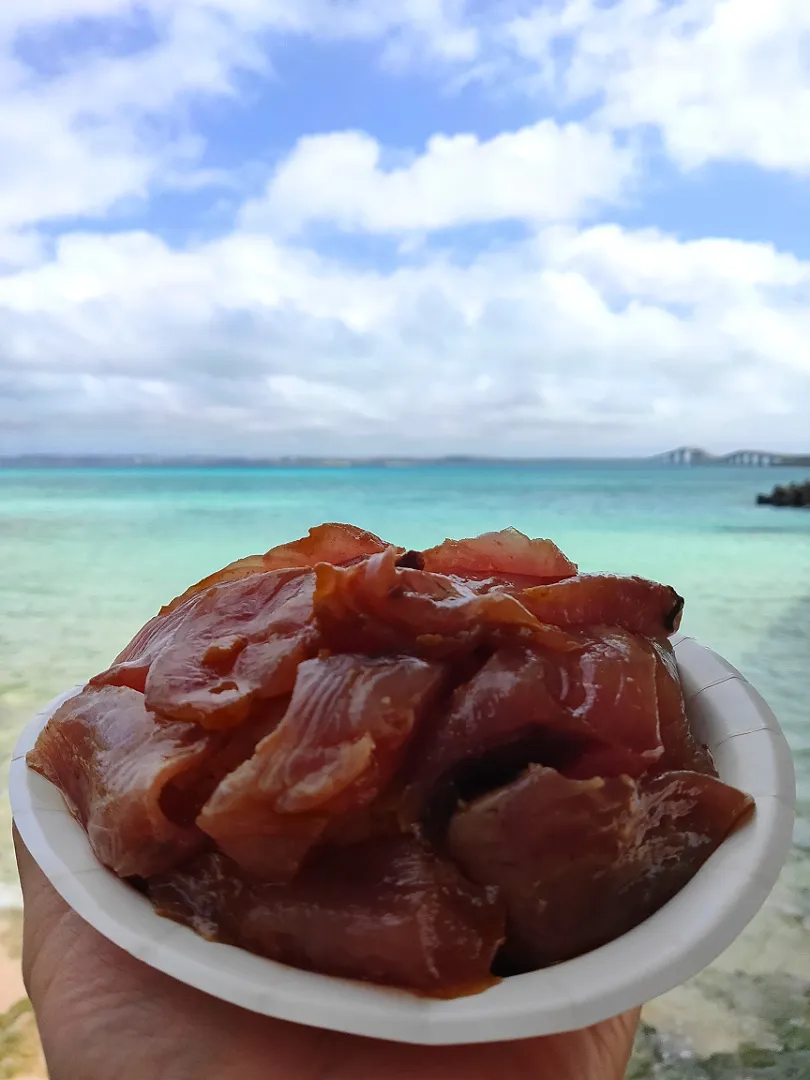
[693,455]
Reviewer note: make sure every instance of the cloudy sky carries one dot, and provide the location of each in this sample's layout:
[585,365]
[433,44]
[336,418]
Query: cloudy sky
[404,226]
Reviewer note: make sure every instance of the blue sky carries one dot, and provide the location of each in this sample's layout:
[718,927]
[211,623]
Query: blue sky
[436,226]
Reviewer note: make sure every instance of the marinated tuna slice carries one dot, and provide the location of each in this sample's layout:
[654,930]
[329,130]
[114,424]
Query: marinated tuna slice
[611,684]
[578,863]
[113,761]
[332,543]
[339,545]
[212,658]
[391,913]
[340,742]
[507,554]
[186,794]
[590,713]
[379,607]
[132,664]
[682,751]
[685,816]
[637,605]
[505,716]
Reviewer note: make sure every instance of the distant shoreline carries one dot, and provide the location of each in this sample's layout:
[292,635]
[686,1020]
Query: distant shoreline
[191,462]
[680,458]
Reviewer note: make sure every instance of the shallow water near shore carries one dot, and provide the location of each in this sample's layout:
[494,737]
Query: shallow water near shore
[86,556]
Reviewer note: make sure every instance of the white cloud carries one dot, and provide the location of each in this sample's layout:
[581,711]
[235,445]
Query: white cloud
[720,79]
[104,127]
[15,16]
[649,264]
[411,29]
[538,173]
[19,248]
[574,340]
[566,343]
[77,142]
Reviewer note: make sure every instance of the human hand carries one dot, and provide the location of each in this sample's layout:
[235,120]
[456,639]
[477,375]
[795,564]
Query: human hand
[103,1015]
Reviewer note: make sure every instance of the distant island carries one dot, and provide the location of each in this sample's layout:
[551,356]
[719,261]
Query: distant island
[158,461]
[684,455]
[189,461]
[198,461]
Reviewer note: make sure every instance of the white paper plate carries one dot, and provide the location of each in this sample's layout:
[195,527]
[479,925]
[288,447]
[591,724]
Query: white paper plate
[676,943]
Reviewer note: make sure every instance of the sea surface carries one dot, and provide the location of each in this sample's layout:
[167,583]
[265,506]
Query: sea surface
[86,556]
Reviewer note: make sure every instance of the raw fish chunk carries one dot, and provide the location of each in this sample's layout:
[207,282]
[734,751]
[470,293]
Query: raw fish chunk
[611,686]
[633,603]
[340,742]
[212,658]
[588,713]
[379,607]
[682,751]
[390,912]
[580,862]
[506,713]
[507,554]
[112,760]
[332,543]
[187,793]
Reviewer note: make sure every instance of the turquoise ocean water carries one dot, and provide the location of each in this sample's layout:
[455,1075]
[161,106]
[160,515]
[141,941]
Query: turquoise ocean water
[86,556]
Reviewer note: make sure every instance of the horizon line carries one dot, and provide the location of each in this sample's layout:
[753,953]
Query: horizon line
[335,460]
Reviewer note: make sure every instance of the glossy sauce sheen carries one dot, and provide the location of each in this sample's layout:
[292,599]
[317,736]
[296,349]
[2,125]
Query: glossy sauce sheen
[414,768]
